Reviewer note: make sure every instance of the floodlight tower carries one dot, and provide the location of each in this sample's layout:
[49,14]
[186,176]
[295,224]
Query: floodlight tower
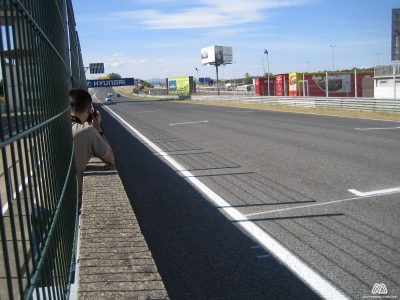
[266,52]
[333,56]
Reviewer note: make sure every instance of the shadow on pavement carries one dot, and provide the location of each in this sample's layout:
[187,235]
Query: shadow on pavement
[200,254]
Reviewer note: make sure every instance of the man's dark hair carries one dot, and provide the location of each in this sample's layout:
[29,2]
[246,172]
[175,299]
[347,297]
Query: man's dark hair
[80,100]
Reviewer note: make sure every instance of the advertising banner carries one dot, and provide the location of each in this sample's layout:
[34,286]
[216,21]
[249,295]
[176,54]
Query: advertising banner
[216,55]
[179,85]
[281,84]
[294,78]
[396,34]
[336,83]
[110,82]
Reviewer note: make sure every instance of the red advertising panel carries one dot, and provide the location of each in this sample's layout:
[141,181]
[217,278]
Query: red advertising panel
[261,86]
[281,84]
[340,84]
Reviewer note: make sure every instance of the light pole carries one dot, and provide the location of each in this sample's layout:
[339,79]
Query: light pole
[333,56]
[307,63]
[266,52]
[197,70]
[378,54]
[263,60]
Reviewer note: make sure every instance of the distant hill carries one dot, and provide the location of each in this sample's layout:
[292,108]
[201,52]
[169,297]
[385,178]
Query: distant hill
[156,81]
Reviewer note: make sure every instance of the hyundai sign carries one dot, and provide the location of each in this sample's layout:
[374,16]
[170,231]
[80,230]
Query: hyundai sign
[110,82]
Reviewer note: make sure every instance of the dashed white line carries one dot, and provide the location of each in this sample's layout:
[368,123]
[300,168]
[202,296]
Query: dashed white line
[19,189]
[375,193]
[312,278]
[263,256]
[148,111]
[184,123]
[359,194]
[239,111]
[378,128]
[255,247]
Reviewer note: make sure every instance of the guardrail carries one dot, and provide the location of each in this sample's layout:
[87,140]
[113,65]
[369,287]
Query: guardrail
[40,61]
[362,104]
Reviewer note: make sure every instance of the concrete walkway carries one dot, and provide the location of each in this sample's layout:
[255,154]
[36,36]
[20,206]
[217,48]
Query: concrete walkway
[114,260]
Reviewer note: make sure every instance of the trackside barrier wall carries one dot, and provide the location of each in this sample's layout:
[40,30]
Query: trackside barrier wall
[362,104]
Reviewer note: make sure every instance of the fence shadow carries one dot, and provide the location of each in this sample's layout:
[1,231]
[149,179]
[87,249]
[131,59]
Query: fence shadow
[200,254]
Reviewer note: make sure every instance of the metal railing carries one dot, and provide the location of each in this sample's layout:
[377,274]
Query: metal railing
[40,61]
[361,104]
[387,70]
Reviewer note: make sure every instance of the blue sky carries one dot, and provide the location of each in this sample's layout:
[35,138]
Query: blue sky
[160,38]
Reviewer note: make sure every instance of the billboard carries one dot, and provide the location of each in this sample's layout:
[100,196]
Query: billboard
[216,55]
[261,86]
[339,84]
[396,34]
[294,78]
[205,80]
[110,82]
[96,68]
[180,85]
[281,85]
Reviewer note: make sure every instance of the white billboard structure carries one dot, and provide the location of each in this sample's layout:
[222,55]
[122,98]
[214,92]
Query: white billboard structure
[216,56]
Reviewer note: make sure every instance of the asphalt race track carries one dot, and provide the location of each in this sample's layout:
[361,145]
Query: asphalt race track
[325,189]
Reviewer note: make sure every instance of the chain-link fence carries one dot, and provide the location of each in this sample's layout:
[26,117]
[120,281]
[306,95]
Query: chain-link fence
[40,61]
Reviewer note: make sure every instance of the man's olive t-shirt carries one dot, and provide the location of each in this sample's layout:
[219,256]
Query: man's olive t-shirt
[87,142]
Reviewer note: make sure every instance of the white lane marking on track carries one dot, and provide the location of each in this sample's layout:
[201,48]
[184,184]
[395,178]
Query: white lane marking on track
[148,111]
[375,193]
[263,256]
[184,123]
[378,128]
[26,181]
[312,278]
[363,196]
[255,247]
[239,111]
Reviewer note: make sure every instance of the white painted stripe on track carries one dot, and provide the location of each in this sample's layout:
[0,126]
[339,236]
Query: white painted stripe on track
[184,123]
[377,128]
[359,194]
[375,193]
[312,278]
[239,111]
[148,111]
[5,207]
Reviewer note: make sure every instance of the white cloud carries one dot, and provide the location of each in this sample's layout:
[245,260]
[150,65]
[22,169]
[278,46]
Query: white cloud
[209,13]
[118,59]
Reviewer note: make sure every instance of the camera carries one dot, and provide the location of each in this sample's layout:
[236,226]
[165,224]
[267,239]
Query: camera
[92,115]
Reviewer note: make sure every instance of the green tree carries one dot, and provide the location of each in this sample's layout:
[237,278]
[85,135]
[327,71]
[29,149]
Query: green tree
[114,76]
[248,79]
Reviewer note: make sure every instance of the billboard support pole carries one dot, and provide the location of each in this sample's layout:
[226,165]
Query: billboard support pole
[394,81]
[216,68]
[268,72]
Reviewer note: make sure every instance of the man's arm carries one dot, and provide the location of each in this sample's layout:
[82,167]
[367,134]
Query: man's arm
[101,148]
[109,157]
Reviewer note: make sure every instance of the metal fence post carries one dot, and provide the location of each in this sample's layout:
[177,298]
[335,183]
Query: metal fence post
[355,84]
[326,84]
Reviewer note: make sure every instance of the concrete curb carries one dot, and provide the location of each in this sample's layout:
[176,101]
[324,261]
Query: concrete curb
[114,259]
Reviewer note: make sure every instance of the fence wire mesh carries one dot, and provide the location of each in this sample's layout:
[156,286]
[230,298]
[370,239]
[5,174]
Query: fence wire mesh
[40,61]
